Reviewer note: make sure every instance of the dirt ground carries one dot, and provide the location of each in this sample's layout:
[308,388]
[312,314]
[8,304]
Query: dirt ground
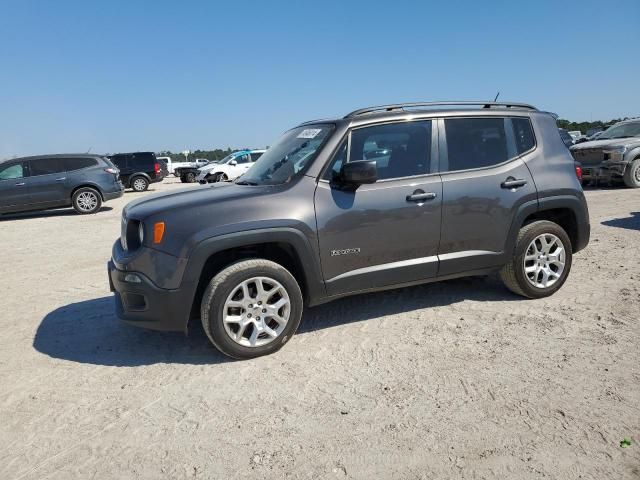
[453,380]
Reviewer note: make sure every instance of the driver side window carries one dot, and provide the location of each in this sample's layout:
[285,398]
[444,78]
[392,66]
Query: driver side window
[399,149]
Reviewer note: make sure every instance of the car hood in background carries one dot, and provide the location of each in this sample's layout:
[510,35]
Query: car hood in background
[614,142]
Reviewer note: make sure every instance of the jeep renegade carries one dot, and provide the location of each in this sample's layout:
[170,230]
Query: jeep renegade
[385,197]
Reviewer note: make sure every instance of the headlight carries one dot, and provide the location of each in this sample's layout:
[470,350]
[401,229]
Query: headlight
[141,232]
[618,150]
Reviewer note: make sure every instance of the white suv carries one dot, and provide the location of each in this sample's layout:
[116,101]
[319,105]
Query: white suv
[230,167]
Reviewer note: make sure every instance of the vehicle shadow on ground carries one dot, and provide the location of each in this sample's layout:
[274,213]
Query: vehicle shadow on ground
[67,212]
[630,223]
[89,332]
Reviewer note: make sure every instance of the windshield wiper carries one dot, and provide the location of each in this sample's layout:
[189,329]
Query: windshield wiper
[247,182]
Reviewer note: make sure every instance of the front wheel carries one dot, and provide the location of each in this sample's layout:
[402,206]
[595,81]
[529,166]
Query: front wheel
[632,175]
[251,308]
[86,200]
[541,261]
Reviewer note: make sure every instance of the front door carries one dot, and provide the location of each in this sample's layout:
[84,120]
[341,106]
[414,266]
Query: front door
[14,192]
[484,180]
[384,233]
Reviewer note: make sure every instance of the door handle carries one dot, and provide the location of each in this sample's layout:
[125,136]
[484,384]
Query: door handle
[421,196]
[61,179]
[513,183]
[20,184]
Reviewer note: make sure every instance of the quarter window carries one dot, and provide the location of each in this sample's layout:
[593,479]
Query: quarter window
[71,164]
[523,133]
[12,171]
[399,149]
[46,166]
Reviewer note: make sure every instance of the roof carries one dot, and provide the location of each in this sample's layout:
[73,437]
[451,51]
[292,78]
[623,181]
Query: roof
[54,155]
[402,110]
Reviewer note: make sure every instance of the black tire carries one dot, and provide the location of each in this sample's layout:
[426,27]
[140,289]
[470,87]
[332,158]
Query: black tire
[632,174]
[190,177]
[513,273]
[86,200]
[223,285]
[183,179]
[139,183]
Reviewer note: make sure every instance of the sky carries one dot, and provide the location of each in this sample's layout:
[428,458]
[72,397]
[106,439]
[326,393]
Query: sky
[133,75]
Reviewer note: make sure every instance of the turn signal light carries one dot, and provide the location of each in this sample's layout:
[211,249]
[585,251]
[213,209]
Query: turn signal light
[158,232]
[579,172]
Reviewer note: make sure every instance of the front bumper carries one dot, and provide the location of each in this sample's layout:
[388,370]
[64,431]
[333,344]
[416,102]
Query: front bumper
[146,305]
[604,170]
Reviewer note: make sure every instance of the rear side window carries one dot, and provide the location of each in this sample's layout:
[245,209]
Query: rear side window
[475,143]
[46,166]
[72,164]
[12,171]
[142,161]
[399,149]
[523,133]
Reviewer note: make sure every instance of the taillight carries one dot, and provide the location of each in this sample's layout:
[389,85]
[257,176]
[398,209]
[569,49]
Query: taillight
[111,170]
[579,172]
[156,167]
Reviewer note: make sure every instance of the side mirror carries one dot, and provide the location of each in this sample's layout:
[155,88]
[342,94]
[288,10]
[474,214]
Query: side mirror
[233,163]
[359,172]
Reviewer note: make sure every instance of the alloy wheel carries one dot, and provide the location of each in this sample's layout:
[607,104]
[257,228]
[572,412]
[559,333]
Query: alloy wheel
[139,184]
[256,311]
[544,260]
[87,201]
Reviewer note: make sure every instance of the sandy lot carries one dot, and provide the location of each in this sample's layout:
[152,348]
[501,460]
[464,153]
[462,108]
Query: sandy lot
[453,380]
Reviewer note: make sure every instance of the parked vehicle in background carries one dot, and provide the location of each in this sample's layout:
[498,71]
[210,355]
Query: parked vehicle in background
[167,161]
[178,166]
[450,192]
[81,181]
[575,134]
[566,138]
[164,166]
[613,156]
[230,167]
[138,169]
[594,131]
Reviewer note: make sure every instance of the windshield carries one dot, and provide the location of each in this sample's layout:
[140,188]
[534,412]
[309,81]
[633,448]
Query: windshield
[623,130]
[288,156]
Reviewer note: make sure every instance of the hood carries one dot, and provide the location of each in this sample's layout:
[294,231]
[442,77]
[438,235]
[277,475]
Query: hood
[190,198]
[614,142]
[209,167]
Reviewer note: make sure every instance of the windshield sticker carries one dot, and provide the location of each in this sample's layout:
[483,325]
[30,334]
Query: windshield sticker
[309,133]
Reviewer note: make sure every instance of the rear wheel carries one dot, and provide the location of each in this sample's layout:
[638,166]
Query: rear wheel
[190,177]
[86,200]
[632,175]
[139,184]
[541,261]
[251,308]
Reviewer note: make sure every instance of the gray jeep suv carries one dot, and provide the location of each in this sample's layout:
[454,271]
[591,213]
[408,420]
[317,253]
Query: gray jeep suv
[384,197]
[614,155]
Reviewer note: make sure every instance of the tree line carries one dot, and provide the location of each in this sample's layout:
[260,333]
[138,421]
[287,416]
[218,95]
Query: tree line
[584,126]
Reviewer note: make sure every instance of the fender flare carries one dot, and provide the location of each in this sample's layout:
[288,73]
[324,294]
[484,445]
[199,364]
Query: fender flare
[302,246]
[571,202]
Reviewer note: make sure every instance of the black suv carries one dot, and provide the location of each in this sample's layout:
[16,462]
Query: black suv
[384,197]
[43,182]
[138,170]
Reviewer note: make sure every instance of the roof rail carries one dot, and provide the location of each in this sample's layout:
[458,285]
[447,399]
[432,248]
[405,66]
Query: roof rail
[401,106]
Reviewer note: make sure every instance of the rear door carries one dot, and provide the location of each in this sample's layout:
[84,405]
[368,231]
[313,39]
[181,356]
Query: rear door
[14,193]
[47,182]
[484,181]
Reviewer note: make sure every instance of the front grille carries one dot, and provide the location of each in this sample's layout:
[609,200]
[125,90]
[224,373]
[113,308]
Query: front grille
[589,156]
[129,237]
